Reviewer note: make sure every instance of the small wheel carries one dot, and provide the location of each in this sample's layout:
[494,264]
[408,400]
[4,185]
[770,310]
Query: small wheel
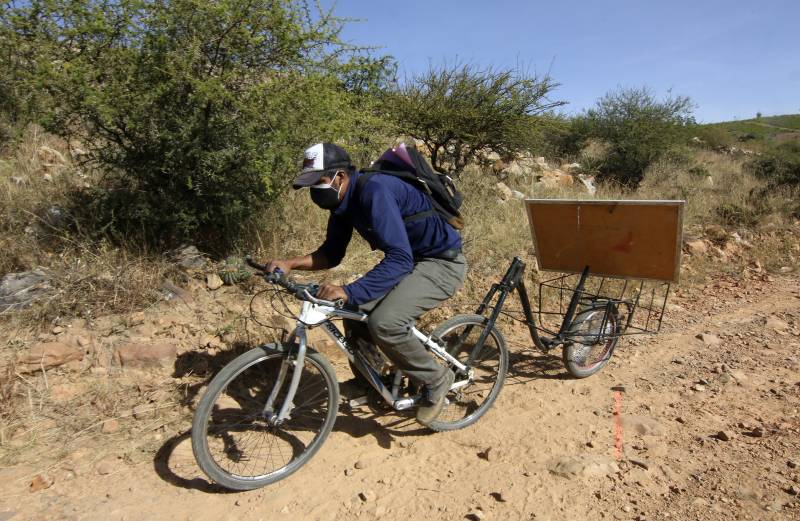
[233,440]
[583,358]
[467,404]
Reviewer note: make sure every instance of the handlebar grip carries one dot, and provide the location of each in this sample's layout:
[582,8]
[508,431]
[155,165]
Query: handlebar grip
[253,264]
[338,303]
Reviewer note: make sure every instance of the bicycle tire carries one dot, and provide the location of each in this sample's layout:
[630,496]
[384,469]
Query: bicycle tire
[571,352]
[495,337]
[223,380]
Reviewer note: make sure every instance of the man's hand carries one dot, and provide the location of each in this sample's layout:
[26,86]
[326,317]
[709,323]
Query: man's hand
[284,265]
[331,292]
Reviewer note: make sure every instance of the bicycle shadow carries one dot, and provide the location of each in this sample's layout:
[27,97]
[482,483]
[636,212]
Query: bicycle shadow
[529,365]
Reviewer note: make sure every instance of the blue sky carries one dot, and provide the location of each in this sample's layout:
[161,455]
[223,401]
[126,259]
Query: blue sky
[733,58]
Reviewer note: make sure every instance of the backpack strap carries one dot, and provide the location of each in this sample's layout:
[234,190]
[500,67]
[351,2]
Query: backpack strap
[365,176]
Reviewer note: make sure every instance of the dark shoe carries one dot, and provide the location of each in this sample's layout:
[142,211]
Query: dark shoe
[436,395]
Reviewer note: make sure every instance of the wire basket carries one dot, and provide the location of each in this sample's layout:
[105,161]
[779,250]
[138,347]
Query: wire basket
[606,307]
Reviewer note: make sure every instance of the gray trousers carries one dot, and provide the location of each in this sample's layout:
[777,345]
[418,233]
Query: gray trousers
[391,317]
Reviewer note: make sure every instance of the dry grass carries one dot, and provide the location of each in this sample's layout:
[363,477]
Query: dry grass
[37,180]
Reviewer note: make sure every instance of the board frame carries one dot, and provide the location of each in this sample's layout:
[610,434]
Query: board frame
[681,204]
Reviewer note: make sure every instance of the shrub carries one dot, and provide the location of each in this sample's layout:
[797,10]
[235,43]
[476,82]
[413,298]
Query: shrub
[196,110]
[781,166]
[460,111]
[638,128]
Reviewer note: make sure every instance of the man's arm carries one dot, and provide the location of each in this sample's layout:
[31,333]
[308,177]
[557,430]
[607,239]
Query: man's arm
[327,256]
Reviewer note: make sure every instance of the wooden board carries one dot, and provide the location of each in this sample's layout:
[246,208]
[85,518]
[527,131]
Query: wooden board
[627,239]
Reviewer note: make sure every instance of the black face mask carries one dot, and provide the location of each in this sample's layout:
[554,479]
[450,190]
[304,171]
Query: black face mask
[325,195]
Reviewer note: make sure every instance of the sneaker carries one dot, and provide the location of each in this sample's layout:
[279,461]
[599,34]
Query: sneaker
[436,396]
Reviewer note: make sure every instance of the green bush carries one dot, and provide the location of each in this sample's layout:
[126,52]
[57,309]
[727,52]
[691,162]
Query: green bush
[638,128]
[197,111]
[460,111]
[780,166]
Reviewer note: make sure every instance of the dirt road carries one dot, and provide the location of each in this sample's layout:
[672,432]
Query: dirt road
[710,429]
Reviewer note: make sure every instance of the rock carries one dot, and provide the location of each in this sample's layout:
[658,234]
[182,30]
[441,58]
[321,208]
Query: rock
[136,319]
[792,464]
[793,490]
[643,463]
[514,170]
[643,425]
[142,411]
[110,426]
[517,194]
[368,496]
[57,330]
[757,432]
[588,183]
[18,290]
[627,509]
[571,167]
[82,341]
[48,356]
[348,472]
[171,291]
[214,281]
[64,392]
[699,388]
[722,436]
[106,466]
[141,355]
[697,247]
[709,339]
[40,482]
[486,454]
[587,466]
[476,515]
[360,465]
[504,191]
[188,257]
[776,323]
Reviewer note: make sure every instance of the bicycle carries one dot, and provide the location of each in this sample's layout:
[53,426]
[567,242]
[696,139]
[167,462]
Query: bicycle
[283,398]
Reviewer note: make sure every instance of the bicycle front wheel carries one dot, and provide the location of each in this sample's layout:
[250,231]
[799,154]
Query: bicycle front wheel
[233,439]
[467,404]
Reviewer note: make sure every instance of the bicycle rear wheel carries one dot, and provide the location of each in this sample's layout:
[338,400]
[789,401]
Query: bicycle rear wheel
[584,357]
[466,405]
[232,439]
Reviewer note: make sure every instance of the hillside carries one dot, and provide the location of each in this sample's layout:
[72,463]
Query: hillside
[759,132]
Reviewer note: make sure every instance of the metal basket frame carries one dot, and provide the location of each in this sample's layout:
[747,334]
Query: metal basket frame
[622,308]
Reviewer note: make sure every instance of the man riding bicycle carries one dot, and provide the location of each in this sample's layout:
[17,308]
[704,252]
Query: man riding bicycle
[422,265]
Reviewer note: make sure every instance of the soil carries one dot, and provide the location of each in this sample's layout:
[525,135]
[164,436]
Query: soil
[708,428]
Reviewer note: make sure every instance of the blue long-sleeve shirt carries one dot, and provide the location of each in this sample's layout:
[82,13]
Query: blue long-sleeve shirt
[376,211]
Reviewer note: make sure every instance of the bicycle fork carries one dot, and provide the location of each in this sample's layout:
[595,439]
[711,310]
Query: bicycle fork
[298,362]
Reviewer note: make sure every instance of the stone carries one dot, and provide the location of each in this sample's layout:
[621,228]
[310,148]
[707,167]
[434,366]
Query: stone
[214,281]
[142,411]
[368,496]
[106,466]
[188,257]
[57,330]
[757,432]
[142,355]
[709,339]
[64,392]
[776,324]
[587,466]
[697,247]
[723,436]
[792,464]
[21,289]
[171,291]
[82,341]
[476,515]
[110,426]
[504,191]
[348,472]
[136,319]
[360,465]
[48,356]
[517,194]
[794,490]
[40,482]
[486,454]
[699,387]
[639,462]
[642,425]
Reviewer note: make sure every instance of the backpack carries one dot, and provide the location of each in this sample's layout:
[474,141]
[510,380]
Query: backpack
[408,164]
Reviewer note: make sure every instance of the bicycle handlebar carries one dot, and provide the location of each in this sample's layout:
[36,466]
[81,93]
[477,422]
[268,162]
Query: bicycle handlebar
[305,292]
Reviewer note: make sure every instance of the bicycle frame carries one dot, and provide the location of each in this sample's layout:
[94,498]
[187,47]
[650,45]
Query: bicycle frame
[512,280]
[315,315]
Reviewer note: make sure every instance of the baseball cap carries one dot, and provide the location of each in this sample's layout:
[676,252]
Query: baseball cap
[319,160]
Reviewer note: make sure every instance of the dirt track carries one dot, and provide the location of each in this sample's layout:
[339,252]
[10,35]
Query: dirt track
[545,451]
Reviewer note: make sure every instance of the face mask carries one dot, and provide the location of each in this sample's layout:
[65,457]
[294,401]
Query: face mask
[325,195]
